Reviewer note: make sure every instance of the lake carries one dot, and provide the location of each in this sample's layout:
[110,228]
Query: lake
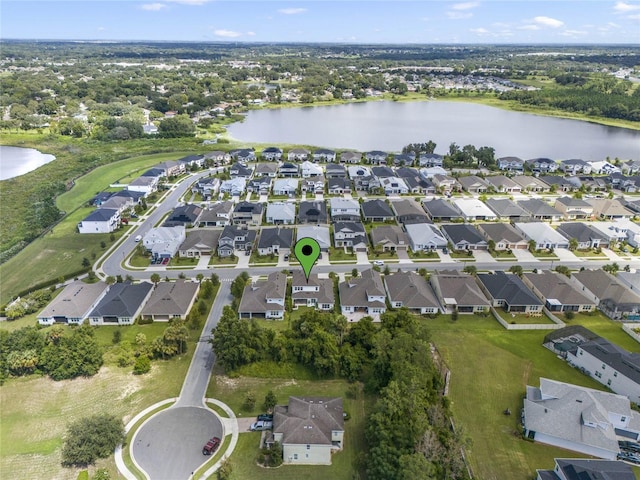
[16,161]
[388,125]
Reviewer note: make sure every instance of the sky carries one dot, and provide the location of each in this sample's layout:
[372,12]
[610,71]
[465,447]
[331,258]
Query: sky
[346,21]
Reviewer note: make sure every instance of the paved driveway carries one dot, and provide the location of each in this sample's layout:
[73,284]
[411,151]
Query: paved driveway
[169,447]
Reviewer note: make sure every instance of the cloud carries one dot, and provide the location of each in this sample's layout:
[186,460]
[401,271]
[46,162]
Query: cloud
[153,7]
[573,33]
[459,11]
[190,2]
[635,16]
[622,7]
[292,11]
[227,33]
[101,29]
[548,22]
[251,34]
[457,15]
[479,31]
[529,27]
[465,5]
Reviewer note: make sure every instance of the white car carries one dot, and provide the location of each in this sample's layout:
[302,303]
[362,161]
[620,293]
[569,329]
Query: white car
[378,263]
[138,238]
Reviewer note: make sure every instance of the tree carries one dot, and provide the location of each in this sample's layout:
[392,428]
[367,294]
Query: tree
[517,269]
[270,400]
[178,126]
[491,245]
[564,270]
[237,286]
[110,280]
[354,272]
[215,280]
[249,401]
[155,278]
[199,277]
[86,263]
[91,438]
[611,268]
[532,245]
[142,365]
[573,244]
[470,269]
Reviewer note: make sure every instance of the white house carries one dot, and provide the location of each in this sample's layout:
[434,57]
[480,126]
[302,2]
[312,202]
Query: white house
[473,209]
[234,186]
[543,234]
[344,209]
[394,186]
[310,169]
[102,220]
[425,237]
[144,185]
[163,242]
[285,186]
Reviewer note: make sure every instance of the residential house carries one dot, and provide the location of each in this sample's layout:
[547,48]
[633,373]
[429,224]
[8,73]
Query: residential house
[623,183]
[186,215]
[164,242]
[544,236]
[350,234]
[575,166]
[594,184]
[238,170]
[541,165]
[507,209]
[281,213]
[218,158]
[439,210]
[389,238]
[314,292]
[150,129]
[264,298]
[376,157]
[217,214]
[573,208]
[338,186]
[234,239]
[363,294]
[580,469]
[610,365]
[247,213]
[416,183]
[73,304]
[309,429]
[319,233]
[446,184]
[473,184]
[170,300]
[377,211]
[271,154]
[609,209]
[425,237]
[382,171]
[393,186]
[298,155]
[632,167]
[586,236]
[410,290]
[171,168]
[510,164]
[234,187]
[260,185]
[135,197]
[192,161]
[122,304]
[404,159]
[463,237]
[561,184]
[502,184]
[350,157]
[100,198]
[335,170]
[309,169]
[409,211]
[557,292]
[629,280]
[154,172]
[508,291]
[314,185]
[243,155]
[146,185]
[313,212]
[266,170]
[531,184]
[275,241]
[101,220]
[602,167]
[579,418]
[613,298]
[540,210]
[503,235]
[206,186]
[430,160]
[344,209]
[324,155]
[473,209]
[199,242]
[613,231]
[285,186]
[118,203]
[430,172]
[459,292]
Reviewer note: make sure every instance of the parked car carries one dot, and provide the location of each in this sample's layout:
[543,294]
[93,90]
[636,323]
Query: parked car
[165,261]
[261,425]
[138,238]
[378,263]
[265,417]
[211,446]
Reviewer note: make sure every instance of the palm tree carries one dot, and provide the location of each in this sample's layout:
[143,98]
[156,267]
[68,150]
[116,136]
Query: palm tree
[573,244]
[155,278]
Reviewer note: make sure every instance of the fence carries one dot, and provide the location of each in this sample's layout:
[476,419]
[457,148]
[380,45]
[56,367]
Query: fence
[628,327]
[557,323]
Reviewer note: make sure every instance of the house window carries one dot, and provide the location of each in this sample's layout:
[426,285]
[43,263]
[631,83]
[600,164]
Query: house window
[581,352]
[308,447]
[615,374]
[623,419]
[295,456]
[604,366]
[598,374]
[609,382]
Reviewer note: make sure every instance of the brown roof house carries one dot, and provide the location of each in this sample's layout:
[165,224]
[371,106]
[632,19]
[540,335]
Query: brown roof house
[316,292]
[170,300]
[614,299]
[264,298]
[410,290]
[363,295]
[557,293]
[458,291]
[74,304]
[309,429]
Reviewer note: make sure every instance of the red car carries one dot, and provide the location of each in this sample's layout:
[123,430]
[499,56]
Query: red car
[211,446]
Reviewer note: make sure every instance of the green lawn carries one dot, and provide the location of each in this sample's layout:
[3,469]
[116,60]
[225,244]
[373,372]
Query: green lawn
[544,254]
[520,318]
[339,255]
[424,255]
[216,260]
[502,254]
[263,259]
[462,255]
[588,253]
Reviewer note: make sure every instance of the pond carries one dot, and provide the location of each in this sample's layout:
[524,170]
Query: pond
[388,125]
[16,161]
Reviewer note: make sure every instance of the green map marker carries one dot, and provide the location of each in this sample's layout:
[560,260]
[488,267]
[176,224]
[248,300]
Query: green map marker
[307,251]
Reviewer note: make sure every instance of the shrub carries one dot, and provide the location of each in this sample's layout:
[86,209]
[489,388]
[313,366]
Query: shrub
[142,365]
[91,438]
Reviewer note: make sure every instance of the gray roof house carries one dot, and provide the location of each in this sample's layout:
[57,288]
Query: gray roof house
[143,184]
[540,210]
[344,209]
[312,185]
[502,184]
[216,215]
[271,154]
[335,170]
[199,242]
[561,184]
[531,184]
[309,429]
[586,236]
[275,240]
[73,304]
[545,237]
[507,209]
[237,170]
[350,157]
[377,210]
[122,304]
[281,213]
[247,213]
[233,238]
[439,210]
[614,299]
[464,237]
[324,155]
[316,292]
[383,172]
[473,184]
[508,291]
[456,291]
[285,186]
[266,170]
[389,238]
[376,157]
[424,237]
[557,292]
[338,186]
[578,418]
[503,235]
[541,165]
[430,160]
[581,469]
[313,212]
[264,298]
[260,185]
[170,300]
[574,166]
[410,290]
[183,215]
[319,233]
[409,211]
[610,365]
[288,169]
[350,234]
[573,208]
[298,154]
[510,164]
[609,209]
[163,242]
[364,295]
[101,220]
